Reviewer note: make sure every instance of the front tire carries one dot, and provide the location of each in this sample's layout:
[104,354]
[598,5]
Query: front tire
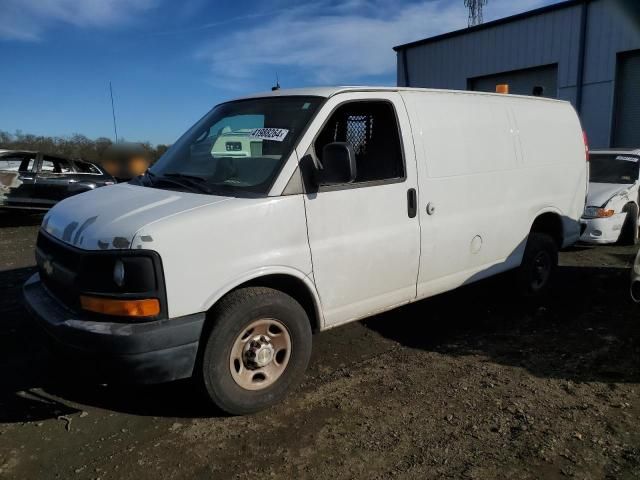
[539,262]
[629,232]
[258,348]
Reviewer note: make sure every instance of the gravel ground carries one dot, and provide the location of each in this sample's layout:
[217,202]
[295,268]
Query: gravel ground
[472,384]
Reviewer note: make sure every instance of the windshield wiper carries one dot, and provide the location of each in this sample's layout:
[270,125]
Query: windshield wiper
[184,175]
[146,179]
[192,182]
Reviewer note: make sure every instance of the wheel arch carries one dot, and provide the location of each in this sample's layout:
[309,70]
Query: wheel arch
[290,281]
[629,205]
[550,222]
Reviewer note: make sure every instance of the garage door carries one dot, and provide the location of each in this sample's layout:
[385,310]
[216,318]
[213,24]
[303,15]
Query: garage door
[626,126]
[540,80]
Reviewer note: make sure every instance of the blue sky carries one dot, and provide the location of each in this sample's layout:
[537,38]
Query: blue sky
[171,60]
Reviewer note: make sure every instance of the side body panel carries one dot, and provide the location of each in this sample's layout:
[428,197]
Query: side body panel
[364,246]
[555,176]
[486,178]
[210,250]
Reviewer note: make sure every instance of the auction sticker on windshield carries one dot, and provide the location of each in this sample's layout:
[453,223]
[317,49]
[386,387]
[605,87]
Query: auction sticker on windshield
[273,134]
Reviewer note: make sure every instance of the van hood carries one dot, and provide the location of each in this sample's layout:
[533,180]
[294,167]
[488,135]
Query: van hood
[600,193]
[109,217]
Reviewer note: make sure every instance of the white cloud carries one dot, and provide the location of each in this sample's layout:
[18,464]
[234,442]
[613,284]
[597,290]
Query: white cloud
[28,19]
[329,44]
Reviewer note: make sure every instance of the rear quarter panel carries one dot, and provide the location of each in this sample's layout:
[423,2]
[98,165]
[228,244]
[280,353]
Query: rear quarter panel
[553,155]
[491,164]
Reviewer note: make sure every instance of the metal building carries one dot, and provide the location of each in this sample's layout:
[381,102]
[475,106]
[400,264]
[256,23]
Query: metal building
[584,51]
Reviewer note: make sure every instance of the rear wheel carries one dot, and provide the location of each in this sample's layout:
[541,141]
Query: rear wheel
[629,232]
[539,261]
[257,348]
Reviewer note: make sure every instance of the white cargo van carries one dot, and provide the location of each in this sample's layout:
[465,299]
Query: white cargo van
[349,202]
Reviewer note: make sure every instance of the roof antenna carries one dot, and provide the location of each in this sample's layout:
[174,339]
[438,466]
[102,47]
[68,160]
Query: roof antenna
[113,112]
[277,85]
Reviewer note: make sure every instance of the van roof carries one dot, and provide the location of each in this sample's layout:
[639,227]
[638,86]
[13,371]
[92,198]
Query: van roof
[328,92]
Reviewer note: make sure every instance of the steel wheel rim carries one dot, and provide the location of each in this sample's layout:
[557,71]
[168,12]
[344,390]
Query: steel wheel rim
[248,371]
[541,270]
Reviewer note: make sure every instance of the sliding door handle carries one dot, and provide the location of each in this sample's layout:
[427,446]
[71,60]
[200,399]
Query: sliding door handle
[412,202]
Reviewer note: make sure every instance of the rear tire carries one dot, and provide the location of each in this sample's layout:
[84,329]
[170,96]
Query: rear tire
[276,329]
[629,232]
[539,262]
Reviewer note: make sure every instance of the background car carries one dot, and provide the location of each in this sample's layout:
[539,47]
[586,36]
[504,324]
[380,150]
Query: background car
[613,204]
[33,180]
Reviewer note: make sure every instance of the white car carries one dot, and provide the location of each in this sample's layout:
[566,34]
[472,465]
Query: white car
[612,207]
[357,200]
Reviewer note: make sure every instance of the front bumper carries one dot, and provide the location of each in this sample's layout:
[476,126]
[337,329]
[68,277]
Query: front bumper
[602,230]
[151,352]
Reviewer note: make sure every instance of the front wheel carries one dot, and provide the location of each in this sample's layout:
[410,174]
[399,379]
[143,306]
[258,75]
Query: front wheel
[629,232]
[539,261]
[257,349]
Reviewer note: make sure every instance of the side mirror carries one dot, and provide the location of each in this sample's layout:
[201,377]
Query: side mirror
[80,187]
[338,164]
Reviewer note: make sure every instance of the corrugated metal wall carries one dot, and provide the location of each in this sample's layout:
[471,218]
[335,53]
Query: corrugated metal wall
[613,27]
[521,82]
[627,104]
[540,40]
[547,38]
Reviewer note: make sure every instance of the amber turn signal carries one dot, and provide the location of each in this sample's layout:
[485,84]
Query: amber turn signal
[601,212]
[124,308]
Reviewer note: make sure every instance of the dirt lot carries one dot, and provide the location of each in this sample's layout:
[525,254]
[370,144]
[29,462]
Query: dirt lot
[473,384]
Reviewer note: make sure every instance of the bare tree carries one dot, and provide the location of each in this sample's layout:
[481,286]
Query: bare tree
[76,146]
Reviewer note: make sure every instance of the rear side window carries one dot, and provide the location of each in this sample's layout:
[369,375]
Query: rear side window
[371,129]
[17,163]
[55,165]
[84,167]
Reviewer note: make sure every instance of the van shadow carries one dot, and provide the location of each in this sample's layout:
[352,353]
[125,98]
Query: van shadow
[585,329]
[37,385]
[20,218]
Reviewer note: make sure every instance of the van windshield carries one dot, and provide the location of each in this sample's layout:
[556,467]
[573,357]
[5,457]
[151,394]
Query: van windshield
[237,147]
[622,169]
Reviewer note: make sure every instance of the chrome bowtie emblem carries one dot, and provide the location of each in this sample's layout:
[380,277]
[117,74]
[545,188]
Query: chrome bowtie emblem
[48,267]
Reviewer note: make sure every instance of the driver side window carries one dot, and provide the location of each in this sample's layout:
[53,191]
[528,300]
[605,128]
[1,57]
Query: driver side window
[371,128]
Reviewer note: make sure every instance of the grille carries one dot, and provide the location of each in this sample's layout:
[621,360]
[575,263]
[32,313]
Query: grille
[58,266]
[63,255]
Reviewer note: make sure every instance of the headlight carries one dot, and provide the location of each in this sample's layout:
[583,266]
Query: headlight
[122,284]
[597,212]
[118,273]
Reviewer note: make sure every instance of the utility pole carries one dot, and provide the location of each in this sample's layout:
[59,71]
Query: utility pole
[475,11]
[113,112]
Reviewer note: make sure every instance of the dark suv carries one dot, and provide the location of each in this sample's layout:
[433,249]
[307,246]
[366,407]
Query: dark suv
[33,180]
